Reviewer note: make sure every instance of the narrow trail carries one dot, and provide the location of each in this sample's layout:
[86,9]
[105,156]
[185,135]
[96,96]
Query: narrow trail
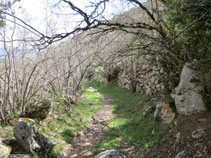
[82,144]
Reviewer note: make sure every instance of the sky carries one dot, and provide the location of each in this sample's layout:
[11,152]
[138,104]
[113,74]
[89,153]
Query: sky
[51,19]
[38,10]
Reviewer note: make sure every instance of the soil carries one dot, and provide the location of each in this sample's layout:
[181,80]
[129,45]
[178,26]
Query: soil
[193,148]
[81,146]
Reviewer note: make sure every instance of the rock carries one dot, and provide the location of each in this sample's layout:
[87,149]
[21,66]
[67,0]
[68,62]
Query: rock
[32,140]
[110,154]
[163,112]
[1,129]
[178,137]
[69,99]
[16,120]
[198,133]
[180,154]
[20,156]
[148,110]
[158,110]
[153,132]
[145,73]
[5,151]
[188,98]
[38,109]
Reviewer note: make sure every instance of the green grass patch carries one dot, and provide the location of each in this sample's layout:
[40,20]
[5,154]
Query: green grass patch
[69,119]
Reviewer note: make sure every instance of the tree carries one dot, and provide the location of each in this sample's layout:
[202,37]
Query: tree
[158,32]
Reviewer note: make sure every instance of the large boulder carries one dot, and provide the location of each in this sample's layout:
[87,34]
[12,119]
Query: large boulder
[110,154]
[5,151]
[32,140]
[38,109]
[188,98]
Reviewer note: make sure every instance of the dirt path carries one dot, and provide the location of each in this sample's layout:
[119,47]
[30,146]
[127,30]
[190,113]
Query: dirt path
[82,144]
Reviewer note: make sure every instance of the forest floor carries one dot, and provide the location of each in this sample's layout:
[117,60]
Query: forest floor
[81,145]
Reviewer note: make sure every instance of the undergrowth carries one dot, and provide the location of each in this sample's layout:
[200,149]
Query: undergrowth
[65,120]
[73,119]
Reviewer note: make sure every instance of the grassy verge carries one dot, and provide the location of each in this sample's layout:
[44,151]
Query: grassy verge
[64,128]
[65,121]
[129,127]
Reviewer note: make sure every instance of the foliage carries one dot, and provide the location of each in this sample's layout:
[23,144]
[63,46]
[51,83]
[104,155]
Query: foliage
[190,21]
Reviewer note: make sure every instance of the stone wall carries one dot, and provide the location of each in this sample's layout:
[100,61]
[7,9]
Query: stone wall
[141,74]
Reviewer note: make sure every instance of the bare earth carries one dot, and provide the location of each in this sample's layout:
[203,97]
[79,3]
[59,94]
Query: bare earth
[82,144]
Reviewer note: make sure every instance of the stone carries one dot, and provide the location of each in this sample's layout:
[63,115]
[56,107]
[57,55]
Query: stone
[32,140]
[158,110]
[153,132]
[148,110]
[198,133]
[180,154]
[20,156]
[5,151]
[110,154]
[144,73]
[188,98]
[163,112]
[38,109]
[69,99]
[178,137]
[1,129]
[16,120]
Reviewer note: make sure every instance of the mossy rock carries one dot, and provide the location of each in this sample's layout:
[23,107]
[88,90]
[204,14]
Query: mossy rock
[16,120]
[38,109]
[5,151]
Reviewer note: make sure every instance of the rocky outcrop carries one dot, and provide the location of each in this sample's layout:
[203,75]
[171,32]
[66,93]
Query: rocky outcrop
[163,112]
[5,151]
[32,140]
[188,98]
[141,75]
[110,154]
[38,109]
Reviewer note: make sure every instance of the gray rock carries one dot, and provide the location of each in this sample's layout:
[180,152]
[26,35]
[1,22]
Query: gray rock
[20,156]
[5,151]
[178,137]
[1,129]
[110,154]
[69,99]
[157,112]
[38,109]
[32,140]
[198,133]
[188,98]
[148,110]
[153,132]
[180,154]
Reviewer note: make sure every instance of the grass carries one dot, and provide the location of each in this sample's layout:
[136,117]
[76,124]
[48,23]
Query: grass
[66,125]
[66,120]
[129,127]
